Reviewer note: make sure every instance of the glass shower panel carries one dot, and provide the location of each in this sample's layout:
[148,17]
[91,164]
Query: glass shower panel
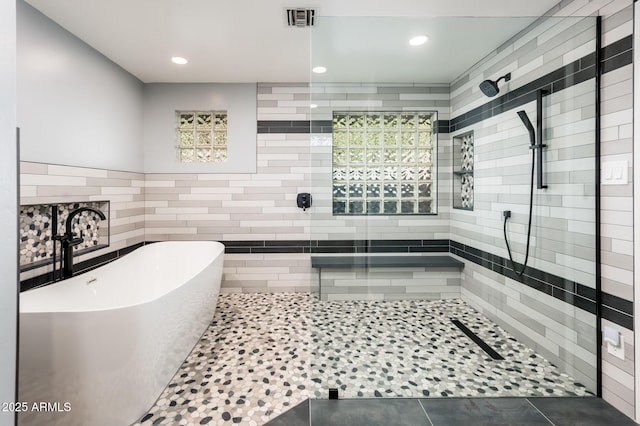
[415,293]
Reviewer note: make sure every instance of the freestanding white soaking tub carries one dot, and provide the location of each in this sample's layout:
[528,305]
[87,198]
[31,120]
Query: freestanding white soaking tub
[99,348]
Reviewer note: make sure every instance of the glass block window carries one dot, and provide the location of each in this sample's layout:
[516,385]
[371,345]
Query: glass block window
[201,136]
[383,163]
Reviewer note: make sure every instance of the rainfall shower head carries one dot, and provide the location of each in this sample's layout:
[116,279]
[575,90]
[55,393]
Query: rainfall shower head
[527,123]
[490,87]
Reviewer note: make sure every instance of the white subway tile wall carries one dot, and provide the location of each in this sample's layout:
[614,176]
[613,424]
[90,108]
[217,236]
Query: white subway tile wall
[48,183]
[390,284]
[564,214]
[245,207]
[564,334]
[617,222]
[502,179]
[262,206]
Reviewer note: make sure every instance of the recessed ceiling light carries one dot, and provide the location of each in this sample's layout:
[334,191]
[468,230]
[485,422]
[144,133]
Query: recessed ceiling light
[179,60]
[418,40]
[312,106]
[319,70]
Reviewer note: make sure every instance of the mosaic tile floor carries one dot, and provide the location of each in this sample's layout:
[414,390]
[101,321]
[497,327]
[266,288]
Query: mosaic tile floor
[412,349]
[254,361]
[250,365]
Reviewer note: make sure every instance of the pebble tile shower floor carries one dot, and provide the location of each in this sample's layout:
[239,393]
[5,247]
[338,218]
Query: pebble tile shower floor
[265,353]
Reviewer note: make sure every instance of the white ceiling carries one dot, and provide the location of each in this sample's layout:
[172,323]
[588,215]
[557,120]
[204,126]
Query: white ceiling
[356,50]
[248,41]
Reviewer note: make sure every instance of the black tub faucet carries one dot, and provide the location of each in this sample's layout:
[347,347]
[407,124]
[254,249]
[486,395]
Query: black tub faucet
[70,240]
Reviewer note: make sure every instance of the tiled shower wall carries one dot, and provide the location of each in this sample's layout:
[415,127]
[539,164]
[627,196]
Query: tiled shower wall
[564,214]
[246,207]
[241,207]
[369,97]
[616,222]
[48,183]
[261,206]
[563,230]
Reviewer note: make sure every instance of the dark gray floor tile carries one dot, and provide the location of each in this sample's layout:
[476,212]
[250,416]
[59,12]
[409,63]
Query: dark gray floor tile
[589,411]
[368,412]
[297,416]
[482,411]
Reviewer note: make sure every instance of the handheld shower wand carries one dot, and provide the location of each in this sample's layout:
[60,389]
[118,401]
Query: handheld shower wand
[507,214]
[527,123]
[536,139]
[535,145]
[490,89]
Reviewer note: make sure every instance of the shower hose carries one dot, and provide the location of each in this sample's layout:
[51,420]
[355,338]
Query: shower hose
[506,240]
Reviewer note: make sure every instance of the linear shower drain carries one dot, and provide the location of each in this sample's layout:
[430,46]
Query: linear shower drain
[477,340]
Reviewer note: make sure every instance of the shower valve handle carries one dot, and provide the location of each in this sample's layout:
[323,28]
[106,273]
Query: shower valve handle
[77,240]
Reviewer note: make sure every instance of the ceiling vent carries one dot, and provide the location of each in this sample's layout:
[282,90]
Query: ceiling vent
[301,17]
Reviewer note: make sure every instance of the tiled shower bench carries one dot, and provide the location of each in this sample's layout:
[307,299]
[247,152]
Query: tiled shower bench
[387,277]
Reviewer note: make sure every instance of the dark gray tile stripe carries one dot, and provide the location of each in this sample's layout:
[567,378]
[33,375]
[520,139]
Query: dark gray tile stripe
[80,267]
[616,48]
[442,126]
[569,75]
[617,317]
[337,246]
[295,126]
[617,303]
[566,290]
[616,55]
[576,294]
[614,309]
[318,126]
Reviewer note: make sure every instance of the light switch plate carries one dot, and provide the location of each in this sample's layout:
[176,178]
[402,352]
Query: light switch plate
[614,172]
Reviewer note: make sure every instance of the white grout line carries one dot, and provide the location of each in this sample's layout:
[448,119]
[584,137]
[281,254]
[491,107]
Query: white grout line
[536,408]
[425,412]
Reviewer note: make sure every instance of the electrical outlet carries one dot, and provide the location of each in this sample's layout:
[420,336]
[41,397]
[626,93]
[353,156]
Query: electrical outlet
[617,351]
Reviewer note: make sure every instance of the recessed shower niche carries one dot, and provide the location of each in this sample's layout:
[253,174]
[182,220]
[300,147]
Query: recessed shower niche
[36,221]
[463,171]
